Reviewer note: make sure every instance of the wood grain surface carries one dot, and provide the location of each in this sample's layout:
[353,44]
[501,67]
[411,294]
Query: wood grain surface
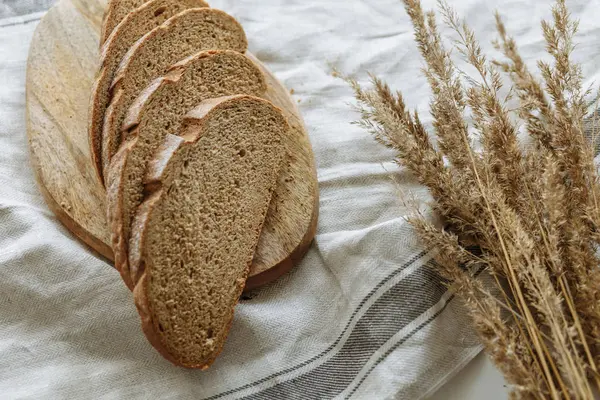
[61,67]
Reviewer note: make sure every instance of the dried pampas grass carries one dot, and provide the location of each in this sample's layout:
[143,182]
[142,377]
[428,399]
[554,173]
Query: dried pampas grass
[532,212]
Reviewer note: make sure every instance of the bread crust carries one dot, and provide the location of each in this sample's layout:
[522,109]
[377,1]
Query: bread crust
[114,199]
[156,168]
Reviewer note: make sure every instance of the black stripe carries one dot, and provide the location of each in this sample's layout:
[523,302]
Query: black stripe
[398,344]
[432,263]
[337,341]
[390,313]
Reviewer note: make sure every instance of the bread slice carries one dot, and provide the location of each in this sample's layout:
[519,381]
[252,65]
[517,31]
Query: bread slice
[135,25]
[114,13]
[185,34]
[209,194]
[117,10]
[160,110]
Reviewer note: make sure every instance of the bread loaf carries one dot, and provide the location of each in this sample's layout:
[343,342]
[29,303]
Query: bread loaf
[135,25]
[159,110]
[209,191]
[117,10]
[183,35]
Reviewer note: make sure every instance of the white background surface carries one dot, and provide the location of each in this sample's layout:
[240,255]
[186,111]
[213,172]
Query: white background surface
[478,380]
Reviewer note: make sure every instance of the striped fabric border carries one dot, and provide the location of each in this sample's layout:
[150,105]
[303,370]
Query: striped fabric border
[397,344]
[392,311]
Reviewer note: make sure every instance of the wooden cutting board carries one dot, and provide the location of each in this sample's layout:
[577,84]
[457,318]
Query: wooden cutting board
[60,71]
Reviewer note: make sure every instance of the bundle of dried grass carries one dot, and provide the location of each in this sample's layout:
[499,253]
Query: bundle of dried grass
[533,212]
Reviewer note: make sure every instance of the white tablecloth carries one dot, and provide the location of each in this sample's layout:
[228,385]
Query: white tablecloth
[361,317]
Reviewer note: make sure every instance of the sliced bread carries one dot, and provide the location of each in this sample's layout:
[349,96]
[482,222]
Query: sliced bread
[135,25]
[183,35]
[209,194]
[117,10]
[159,110]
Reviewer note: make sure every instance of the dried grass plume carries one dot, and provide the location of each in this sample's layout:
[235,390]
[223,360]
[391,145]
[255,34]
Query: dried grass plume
[531,212]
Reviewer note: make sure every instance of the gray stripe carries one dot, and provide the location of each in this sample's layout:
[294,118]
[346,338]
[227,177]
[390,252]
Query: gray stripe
[14,8]
[399,343]
[432,263]
[337,341]
[393,311]
[591,126]
[20,21]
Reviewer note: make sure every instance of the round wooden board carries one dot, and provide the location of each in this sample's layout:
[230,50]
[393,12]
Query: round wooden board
[60,72]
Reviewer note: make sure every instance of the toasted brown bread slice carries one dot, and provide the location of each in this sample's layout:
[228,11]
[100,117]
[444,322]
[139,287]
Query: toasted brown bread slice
[209,194]
[183,35]
[159,110]
[131,28]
